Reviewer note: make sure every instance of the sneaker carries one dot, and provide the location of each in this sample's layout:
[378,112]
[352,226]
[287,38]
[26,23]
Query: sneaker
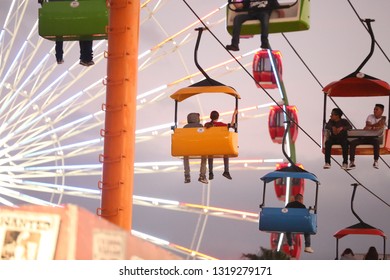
[327,165]
[264,44]
[60,61]
[375,165]
[344,166]
[227,175]
[203,179]
[309,250]
[87,63]
[211,175]
[187,179]
[232,48]
[352,165]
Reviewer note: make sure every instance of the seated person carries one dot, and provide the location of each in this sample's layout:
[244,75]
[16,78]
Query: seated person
[256,10]
[214,116]
[375,121]
[298,203]
[338,128]
[193,120]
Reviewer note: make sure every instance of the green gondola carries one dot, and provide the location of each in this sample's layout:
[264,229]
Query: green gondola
[73,20]
[294,16]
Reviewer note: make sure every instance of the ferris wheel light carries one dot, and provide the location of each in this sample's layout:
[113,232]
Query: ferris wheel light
[149,237]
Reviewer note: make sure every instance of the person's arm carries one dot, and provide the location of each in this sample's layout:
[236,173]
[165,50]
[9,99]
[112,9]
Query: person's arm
[208,124]
[347,125]
[328,125]
[374,126]
[234,117]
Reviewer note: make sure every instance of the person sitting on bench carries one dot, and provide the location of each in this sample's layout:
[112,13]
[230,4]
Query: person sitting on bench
[374,121]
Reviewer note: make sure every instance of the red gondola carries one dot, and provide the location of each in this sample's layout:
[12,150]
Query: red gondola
[276,123]
[297,184]
[262,69]
[297,244]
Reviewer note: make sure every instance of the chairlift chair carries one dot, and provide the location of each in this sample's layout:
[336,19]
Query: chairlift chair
[281,219]
[355,85]
[197,142]
[292,16]
[360,228]
[73,20]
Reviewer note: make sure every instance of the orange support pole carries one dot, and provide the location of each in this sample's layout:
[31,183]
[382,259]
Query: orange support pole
[120,107]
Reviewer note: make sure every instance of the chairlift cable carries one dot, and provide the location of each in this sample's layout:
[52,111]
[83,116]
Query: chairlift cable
[361,21]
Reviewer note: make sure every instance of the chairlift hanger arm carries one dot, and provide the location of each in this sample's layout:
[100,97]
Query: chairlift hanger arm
[200,31]
[352,199]
[263,202]
[371,32]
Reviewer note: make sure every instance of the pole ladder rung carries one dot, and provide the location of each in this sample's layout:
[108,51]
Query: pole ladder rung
[104,159]
[105,187]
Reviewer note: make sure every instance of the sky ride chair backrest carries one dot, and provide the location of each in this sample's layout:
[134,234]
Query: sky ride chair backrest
[294,18]
[73,20]
[281,219]
[200,141]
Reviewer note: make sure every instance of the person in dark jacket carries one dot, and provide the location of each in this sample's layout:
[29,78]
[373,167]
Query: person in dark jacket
[338,128]
[298,203]
[372,254]
[256,10]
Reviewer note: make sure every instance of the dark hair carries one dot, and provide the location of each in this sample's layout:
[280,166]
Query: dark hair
[380,106]
[348,251]
[372,254]
[338,112]
[214,115]
[298,196]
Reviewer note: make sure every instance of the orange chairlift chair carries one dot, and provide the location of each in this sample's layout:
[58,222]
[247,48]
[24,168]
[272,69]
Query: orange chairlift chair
[358,84]
[197,142]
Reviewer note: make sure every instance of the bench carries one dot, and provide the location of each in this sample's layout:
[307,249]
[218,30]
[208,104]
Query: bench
[364,149]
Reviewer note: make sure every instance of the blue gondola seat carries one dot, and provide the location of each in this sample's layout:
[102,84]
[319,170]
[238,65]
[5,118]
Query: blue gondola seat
[296,220]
